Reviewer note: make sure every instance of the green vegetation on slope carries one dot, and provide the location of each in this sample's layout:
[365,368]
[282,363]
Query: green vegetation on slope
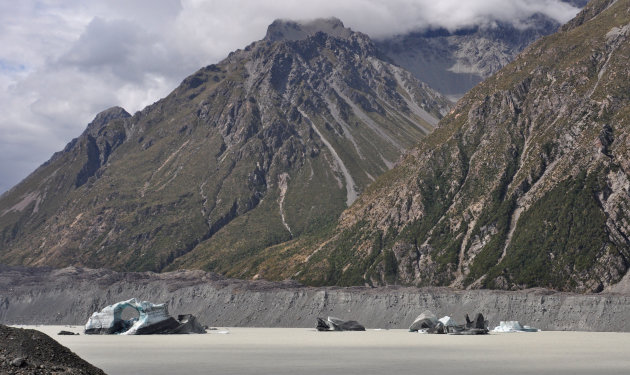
[559,237]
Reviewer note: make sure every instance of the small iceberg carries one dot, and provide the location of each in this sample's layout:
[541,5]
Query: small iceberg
[427,322]
[424,321]
[447,321]
[336,324]
[513,326]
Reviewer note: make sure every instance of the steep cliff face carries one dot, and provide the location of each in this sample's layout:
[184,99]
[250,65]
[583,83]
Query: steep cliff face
[525,183]
[271,143]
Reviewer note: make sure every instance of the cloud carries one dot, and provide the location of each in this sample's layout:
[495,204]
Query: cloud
[63,62]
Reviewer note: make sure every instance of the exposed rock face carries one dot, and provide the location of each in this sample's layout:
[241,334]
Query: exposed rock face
[292,30]
[100,142]
[271,143]
[69,296]
[525,183]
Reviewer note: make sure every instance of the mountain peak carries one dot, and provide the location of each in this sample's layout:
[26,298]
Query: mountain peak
[298,30]
[103,117]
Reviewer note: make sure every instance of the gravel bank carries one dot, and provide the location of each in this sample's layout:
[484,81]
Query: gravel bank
[70,295]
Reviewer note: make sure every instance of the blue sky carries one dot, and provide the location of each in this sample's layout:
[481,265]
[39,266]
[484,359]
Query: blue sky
[63,61]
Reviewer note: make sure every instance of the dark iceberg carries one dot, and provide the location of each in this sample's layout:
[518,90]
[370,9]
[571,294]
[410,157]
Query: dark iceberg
[336,324]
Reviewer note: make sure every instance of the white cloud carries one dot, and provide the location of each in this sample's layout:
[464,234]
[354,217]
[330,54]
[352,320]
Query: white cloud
[63,62]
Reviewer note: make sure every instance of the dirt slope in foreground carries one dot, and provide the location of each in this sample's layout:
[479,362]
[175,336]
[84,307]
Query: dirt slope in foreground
[27,351]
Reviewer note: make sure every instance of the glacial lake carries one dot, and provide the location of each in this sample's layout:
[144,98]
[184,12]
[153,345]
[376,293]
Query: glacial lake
[305,351]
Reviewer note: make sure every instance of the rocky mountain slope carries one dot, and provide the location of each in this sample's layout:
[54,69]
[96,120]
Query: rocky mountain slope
[70,295]
[453,62]
[271,143]
[525,183]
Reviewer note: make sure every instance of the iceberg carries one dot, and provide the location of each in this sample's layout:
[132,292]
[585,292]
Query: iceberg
[513,326]
[427,322]
[479,326]
[152,319]
[336,324]
[447,321]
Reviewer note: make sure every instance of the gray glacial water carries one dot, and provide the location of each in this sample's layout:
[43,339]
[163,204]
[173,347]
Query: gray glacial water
[305,351]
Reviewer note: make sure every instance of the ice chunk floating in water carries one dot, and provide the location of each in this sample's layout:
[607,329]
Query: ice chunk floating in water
[152,319]
[336,324]
[513,326]
[425,320]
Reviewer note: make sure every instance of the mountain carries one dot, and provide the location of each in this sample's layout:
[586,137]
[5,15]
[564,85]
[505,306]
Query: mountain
[269,144]
[453,62]
[524,184]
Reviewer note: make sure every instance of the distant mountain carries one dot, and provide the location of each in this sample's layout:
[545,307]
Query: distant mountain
[526,183]
[271,143]
[577,3]
[453,62]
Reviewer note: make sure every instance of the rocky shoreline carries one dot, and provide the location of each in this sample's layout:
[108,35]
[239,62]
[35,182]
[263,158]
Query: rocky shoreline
[30,352]
[71,295]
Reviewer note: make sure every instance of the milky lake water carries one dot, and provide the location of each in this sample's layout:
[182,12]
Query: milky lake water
[305,351]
